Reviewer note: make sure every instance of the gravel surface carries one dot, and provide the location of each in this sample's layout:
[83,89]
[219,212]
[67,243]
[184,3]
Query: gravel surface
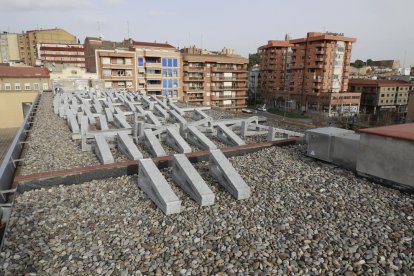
[304,217]
[50,144]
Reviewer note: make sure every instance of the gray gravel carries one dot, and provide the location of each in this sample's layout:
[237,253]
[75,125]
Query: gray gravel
[50,145]
[304,217]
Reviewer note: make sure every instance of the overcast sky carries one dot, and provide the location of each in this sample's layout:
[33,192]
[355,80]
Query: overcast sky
[384,28]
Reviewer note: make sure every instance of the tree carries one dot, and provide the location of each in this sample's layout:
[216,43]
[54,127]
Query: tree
[369,62]
[358,63]
[253,60]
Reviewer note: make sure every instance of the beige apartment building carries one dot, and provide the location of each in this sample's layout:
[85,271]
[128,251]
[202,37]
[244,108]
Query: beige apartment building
[29,40]
[214,78]
[310,73]
[382,95]
[18,88]
[145,67]
[9,48]
[117,68]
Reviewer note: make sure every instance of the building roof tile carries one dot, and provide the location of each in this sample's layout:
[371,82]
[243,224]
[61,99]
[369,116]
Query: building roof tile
[24,72]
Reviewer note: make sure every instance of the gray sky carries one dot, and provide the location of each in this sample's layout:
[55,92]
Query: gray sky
[383,27]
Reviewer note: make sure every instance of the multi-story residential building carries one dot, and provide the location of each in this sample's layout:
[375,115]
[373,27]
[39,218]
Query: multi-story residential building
[149,68]
[29,79]
[158,68]
[313,76]
[382,95]
[92,44]
[29,40]
[60,55]
[253,83]
[117,68]
[9,48]
[18,89]
[275,58]
[214,78]
[410,108]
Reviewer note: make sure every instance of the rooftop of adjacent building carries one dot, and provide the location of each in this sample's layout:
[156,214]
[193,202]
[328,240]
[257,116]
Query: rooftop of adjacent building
[23,72]
[311,36]
[370,82]
[404,132]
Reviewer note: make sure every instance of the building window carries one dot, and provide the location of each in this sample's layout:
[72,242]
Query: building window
[107,72]
[27,86]
[164,62]
[169,83]
[175,64]
[175,85]
[382,95]
[35,86]
[175,73]
[170,62]
[164,84]
[45,86]
[106,60]
[170,73]
[17,86]
[140,61]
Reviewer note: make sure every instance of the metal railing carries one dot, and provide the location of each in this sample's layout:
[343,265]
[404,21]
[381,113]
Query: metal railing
[9,164]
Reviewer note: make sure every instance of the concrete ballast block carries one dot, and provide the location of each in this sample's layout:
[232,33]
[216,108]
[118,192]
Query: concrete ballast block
[224,172]
[153,183]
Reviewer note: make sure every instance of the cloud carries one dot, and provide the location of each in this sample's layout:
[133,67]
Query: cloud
[41,5]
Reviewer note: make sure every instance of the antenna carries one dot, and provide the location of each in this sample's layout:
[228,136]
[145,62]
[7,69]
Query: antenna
[405,55]
[128,37]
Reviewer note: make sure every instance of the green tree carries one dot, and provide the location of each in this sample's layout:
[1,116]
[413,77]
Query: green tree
[253,59]
[369,62]
[358,63]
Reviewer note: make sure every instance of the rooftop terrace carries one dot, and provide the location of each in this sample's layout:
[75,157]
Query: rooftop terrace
[303,216]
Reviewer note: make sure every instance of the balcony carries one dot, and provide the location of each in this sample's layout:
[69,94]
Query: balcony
[118,66]
[195,79]
[193,89]
[116,77]
[227,88]
[228,69]
[153,65]
[153,76]
[230,97]
[157,87]
[193,68]
[193,99]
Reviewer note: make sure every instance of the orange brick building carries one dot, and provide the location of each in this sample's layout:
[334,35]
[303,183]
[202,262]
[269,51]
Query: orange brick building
[310,73]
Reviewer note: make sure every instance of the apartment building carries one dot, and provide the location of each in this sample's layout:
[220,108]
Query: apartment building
[382,95]
[158,68]
[253,83]
[117,68]
[410,108]
[29,40]
[91,44]
[59,55]
[275,57]
[146,67]
[214,78]
[9,48]
[310,73]
[18,88]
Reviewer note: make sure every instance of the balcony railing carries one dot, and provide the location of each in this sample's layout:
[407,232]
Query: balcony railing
[228,69]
